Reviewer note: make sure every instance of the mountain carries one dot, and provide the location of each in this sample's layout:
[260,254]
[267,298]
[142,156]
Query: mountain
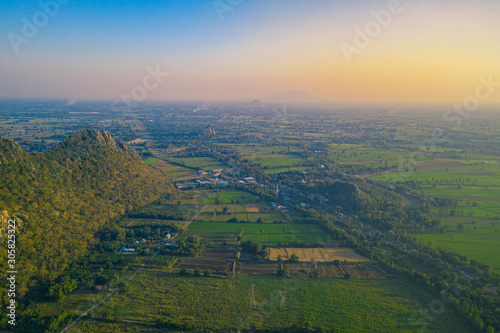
[61,198]
[294,97]
[256,102]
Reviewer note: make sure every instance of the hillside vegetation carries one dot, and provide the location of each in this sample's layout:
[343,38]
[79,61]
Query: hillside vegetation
[61,198]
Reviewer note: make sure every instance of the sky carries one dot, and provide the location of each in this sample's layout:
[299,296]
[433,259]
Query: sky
[418,51]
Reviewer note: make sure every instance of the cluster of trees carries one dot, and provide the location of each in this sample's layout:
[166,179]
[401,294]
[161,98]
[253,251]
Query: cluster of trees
[255,249]
[189,247]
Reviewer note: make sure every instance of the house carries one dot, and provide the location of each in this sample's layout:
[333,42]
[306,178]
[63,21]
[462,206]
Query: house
[126,250]
[216,171]
[250,180]
[186,185]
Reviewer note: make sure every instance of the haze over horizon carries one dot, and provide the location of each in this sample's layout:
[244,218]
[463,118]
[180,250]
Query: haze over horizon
[429,52]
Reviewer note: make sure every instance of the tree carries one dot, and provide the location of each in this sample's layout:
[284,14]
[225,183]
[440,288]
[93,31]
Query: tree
[207,273]
[347,276]
[197,272]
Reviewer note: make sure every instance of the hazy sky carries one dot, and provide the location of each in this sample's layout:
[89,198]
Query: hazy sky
[430,51]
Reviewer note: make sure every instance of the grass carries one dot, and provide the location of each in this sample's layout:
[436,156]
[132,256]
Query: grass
[473,181]
[478,243]
[231,197]
[202,163]
[454,171]
[281,170]
[255,228]
[225,304]
[268,234]
[177,172]
[277,160]
[151,161]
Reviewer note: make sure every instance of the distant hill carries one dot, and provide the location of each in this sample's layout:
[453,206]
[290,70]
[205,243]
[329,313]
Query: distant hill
[208,131]
[256,102]
[61,198]
[294,97]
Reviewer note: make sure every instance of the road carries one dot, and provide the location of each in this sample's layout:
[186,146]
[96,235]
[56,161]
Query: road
[197,214]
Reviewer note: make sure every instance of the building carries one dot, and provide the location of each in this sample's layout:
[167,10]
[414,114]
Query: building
[126,250]
[250,180]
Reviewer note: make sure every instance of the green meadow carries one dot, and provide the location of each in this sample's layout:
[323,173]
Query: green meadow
[225,304]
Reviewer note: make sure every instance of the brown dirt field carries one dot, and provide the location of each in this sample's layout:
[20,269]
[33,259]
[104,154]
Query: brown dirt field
[251,208]
[299,270]
[318,254]
[330,272]
[354,270]
[204,264]
[256,268]
[216,253]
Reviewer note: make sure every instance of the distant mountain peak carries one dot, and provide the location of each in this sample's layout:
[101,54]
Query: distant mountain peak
[294,97]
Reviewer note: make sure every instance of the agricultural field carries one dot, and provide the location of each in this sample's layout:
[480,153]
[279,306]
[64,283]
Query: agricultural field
[176,172]
[316,254]
[276,161]
[252,151]
[231,197]
[153,223]
[456,172]
[267,234]
[363,155]
[476,240]
[242,206]
[254,301]
[198,163]
[281,170]
[151,161]
[257,268]
[473,182]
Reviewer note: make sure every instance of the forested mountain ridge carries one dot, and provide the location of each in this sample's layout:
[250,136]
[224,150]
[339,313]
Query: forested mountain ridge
[64,196]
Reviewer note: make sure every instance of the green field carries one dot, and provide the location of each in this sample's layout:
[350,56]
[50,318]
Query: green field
[231,197]
[201,163]
[151,161]
[268,234]
[225,304]
[280,170]
[454,172]
[174,171]
[276,160]
[474,183]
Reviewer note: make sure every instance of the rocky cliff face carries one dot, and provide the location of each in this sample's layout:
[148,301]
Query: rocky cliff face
[11,152]
[88,139]
[209,131]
